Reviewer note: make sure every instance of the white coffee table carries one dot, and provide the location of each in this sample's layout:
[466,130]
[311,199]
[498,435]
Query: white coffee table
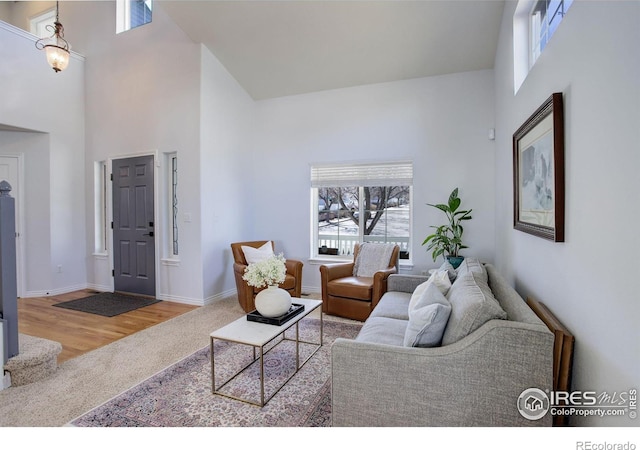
[258,335]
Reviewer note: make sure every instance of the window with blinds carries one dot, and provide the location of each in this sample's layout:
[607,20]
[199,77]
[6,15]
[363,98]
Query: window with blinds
[354,203]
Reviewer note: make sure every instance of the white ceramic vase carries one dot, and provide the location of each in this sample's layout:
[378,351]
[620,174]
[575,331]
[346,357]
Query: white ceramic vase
[273,301]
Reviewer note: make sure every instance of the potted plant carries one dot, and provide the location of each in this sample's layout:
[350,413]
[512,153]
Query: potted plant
[446,241]
[269,273]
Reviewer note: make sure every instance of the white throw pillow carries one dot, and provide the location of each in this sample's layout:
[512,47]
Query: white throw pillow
[428,320]
[440,278]
[254,255]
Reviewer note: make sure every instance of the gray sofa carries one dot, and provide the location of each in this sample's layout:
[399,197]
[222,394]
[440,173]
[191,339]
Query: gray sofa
[474,381]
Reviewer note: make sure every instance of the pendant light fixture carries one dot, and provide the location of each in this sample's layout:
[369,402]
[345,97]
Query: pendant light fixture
[56,47]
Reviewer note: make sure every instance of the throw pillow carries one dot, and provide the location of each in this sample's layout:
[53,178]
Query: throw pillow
[472,265]
[440,278]
[472,304]
[446,265]
[427,321]
[254,255]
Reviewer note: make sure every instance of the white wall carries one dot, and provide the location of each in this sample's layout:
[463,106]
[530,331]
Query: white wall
[589,281]
[144,96]
[440,123]
[34,97]
[226,113]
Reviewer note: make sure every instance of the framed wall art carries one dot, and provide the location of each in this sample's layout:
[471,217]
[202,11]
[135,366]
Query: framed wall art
[538,172]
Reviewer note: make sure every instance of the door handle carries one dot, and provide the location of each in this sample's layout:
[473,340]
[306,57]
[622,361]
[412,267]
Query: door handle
[150,234]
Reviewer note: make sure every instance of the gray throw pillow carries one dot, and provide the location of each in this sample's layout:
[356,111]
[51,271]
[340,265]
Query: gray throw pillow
[472,304]
[472,265]
[446,265]
[428,319]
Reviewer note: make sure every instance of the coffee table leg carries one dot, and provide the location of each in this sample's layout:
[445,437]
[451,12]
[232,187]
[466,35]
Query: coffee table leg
[297,347]
[213,371]
[261,376]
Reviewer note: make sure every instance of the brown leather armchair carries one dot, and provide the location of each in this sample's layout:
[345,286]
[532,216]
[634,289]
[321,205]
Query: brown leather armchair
[346,295]
[246,293]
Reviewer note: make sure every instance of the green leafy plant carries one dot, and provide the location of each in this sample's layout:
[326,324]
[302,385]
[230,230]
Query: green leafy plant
[447,238]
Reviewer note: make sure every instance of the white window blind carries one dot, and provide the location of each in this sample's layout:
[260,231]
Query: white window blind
[398,173]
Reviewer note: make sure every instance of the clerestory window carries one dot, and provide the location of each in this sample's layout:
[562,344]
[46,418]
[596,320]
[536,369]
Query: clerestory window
[544,19]
[534,22]
[132,13]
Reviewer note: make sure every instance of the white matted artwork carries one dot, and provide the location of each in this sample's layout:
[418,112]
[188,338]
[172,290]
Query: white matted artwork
[538,151]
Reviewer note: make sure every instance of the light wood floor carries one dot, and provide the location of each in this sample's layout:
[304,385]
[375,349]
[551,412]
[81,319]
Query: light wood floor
[80,332]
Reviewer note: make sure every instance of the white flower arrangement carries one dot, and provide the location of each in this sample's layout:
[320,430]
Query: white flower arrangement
[268,272]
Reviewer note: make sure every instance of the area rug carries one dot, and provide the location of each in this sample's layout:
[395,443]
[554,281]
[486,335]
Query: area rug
[180,395]
[108,304]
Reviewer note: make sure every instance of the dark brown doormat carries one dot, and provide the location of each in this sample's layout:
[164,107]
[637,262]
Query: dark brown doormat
[107,304]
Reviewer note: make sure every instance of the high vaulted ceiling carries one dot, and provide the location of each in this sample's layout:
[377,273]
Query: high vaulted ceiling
[278,48]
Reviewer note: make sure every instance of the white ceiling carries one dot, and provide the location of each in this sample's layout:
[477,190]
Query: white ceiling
[278,48]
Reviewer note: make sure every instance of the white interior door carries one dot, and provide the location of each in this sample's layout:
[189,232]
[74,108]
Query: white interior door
[10,171]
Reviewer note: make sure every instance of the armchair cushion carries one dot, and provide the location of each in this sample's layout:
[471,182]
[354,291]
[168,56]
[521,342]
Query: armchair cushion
[351,287]
[254,255]
[372,258]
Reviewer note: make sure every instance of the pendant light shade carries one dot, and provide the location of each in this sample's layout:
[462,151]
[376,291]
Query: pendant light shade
[55,47]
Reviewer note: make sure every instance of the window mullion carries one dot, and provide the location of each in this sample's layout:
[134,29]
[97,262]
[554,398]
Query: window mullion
[362,221]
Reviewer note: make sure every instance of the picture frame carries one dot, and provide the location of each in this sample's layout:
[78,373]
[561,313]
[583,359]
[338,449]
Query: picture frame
[538,172]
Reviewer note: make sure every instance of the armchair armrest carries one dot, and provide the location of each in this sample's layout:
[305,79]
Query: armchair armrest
[239,268]
[294,267]
[330,272]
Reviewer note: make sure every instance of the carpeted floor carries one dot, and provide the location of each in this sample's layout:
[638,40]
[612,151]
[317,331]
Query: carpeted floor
[85,382]
[180,396]
[108,304]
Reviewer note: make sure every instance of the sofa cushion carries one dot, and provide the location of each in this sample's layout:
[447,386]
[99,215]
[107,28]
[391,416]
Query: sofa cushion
[472,265]
[360,288]
[383,330]
[394,305]
[427,319]
[439,278]
[472,304]
[254,255]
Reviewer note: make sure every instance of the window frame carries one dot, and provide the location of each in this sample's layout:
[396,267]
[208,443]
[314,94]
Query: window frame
[526,34]
[342,180]
[39,22]
[172,246]
[101,212]
[123,15]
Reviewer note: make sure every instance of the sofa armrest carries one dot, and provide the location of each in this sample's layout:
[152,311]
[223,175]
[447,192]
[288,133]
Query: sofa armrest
[405,283]
[473,382]
[380,284]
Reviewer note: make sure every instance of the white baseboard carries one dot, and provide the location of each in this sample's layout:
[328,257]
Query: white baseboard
[5,381]
[59,291]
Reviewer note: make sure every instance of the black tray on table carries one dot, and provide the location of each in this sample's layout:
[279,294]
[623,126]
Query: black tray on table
[255,316]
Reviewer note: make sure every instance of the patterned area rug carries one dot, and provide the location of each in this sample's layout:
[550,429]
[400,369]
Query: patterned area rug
[108,304]
[180,395]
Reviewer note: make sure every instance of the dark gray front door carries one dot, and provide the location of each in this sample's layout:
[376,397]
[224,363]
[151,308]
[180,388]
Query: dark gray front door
[133,226]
